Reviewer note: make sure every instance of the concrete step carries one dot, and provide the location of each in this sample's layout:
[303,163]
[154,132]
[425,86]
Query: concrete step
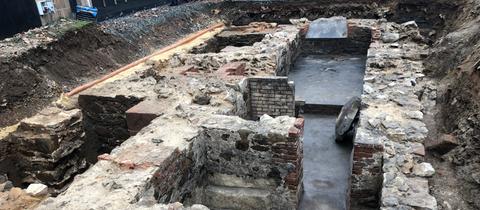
[221,197]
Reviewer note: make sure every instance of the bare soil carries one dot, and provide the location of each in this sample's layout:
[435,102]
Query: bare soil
[454,64]
[36,77]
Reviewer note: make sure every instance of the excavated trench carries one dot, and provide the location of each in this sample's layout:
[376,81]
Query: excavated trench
[326,74]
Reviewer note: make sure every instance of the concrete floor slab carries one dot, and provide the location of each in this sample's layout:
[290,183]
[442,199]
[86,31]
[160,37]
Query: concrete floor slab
[326,165]
[328,79]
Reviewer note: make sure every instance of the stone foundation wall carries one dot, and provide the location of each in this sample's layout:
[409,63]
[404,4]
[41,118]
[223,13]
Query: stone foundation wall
[222,162]
[391,130]
[272,56]
[105,121]
[152,166]
[274,96]
[48,147]
[253,165]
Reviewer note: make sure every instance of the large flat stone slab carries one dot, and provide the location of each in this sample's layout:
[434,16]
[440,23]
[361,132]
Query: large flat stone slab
[328,28]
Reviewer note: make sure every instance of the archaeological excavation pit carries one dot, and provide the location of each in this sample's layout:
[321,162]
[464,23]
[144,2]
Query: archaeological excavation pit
[236,105]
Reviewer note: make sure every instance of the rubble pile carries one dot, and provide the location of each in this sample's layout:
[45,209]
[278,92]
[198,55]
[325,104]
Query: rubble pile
[13,198]
[37,37]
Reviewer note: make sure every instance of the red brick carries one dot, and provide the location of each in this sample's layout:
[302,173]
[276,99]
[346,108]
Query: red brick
[141,115]
[418,149]
[187,69]
[234,68]
[294,132]
[358,155]
[104,157]
[299,123]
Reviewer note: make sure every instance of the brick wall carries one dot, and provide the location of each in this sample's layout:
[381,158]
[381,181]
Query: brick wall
[367,173]
[291,152]
[274,96]
[176,178]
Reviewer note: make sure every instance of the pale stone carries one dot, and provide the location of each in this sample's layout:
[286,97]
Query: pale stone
[37,190]
[390,37]
[424,170]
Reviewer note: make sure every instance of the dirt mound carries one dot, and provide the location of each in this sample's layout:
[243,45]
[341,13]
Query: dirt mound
[36,77]
[455,62]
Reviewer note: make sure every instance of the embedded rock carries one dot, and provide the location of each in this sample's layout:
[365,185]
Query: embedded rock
[423,170]
[390,37]
[37,190]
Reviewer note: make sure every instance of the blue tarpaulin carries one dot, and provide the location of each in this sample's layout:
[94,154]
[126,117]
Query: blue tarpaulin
[93,11]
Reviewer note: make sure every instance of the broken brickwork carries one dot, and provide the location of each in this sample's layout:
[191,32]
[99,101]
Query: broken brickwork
[274,96]
[366,170]
[141,115]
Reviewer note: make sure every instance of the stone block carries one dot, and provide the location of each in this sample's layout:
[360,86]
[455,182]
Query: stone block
[140,115]
[37,190]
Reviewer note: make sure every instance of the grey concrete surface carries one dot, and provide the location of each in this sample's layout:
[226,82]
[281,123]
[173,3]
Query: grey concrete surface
[326,165]
[328,79]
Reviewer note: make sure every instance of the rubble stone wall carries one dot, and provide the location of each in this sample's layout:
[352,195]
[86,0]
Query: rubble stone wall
[259,161]
[253,165]
[391,129]
[147,168]
[49,147]
[272,56]
[178,178]
[274,96]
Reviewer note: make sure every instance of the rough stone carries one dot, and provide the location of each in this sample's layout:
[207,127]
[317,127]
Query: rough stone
[202,99]
[423,170]
[6,186]
[37,190]
[390,37]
